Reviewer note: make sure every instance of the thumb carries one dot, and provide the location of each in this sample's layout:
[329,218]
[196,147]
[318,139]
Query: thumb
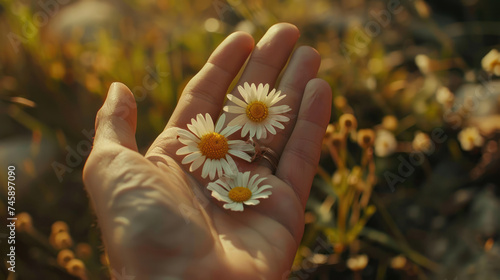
[116,121]
[114,136]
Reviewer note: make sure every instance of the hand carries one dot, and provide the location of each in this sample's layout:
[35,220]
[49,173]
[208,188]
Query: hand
[159,221]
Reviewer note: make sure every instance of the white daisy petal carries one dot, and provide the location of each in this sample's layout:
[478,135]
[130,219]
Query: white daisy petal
[253,89]
[182,133]
[212,169]
[270,96]
[258,181]
[187,150]
[186,141]
[229,205]
[197,163]
[252,129]
[276,100]
[231,162]
[260,87]
[191,157]
[253,188]
[234,122]
[217,188]
[277,124]
[238,207]
[237,143]
[194,129]
[236,101]
[218,165]
[206,168]
[245,92]
[266,89]
[252,181]
[226,167]
[262,195]
[245,178]
[241,145]
[234,109]
[280,118]
[201,127]
[252,202]
[270,128]
[223,185]
[264,131]
[217,196]
[220,197]
[263,188]
[247,148]
[239,120]
[262,90]
[200,120]
[237,179]
[220,123]
[209,123]
[245,130]
[279,109]
[230,130]
[241,155]
[259,132]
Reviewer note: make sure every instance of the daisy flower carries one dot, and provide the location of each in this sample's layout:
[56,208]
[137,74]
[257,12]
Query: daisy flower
[208,146]
[491,62]
[470,138]
[238,189]
[256,112]
[385,143]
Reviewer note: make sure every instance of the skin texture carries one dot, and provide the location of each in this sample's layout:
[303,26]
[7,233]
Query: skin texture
[159,221]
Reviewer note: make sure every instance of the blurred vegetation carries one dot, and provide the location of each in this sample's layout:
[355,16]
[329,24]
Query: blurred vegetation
[407,190]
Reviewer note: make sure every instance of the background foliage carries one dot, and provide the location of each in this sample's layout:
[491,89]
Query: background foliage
[439,220]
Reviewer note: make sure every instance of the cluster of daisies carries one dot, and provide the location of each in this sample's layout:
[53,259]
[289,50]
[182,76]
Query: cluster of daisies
[207,144]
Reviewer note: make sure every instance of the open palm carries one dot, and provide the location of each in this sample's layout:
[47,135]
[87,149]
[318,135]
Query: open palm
[159,221]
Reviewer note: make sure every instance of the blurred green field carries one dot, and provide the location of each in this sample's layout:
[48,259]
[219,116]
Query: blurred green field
[411,207]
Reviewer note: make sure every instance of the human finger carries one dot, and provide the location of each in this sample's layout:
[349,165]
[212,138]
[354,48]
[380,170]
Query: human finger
[302,151]
[206,91]
[116,121]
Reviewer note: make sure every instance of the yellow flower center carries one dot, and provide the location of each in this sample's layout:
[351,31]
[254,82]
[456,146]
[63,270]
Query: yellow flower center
[213,145]
[240,194]
[257,111]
